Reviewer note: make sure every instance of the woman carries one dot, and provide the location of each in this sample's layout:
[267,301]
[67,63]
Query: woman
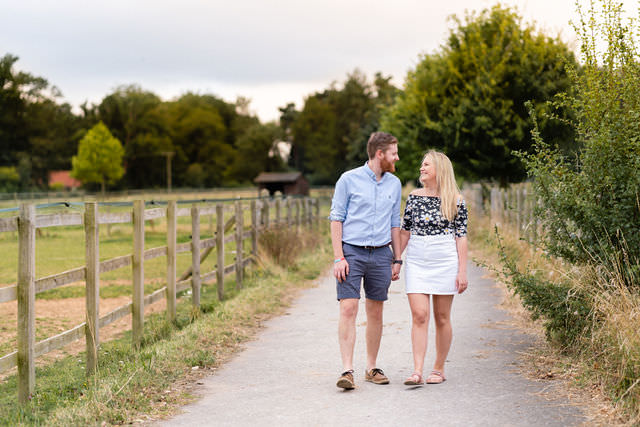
[434,232]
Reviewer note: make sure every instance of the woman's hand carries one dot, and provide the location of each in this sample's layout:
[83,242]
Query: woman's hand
[461,282]
[395,271]
[341,270]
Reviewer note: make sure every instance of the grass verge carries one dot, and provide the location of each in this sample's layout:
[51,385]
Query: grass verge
[134,386]
[602,365]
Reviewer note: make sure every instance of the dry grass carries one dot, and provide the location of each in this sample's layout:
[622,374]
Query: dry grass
[591,376]
[283,244]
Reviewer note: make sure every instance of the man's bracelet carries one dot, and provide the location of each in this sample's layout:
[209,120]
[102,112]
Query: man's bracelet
[337,260]
[397,261]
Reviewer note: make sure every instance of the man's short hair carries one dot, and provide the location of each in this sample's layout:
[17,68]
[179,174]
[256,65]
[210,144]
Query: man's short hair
[379,141]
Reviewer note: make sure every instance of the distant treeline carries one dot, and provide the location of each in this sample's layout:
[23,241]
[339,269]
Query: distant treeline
[467,99]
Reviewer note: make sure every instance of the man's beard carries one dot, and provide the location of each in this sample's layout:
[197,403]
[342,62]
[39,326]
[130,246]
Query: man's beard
[387,166]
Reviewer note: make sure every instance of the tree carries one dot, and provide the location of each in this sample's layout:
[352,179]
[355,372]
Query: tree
[131,113]
[468,100]
[36,133]
[99,158]
[199,135]
[330,133]
[17,90]
[258,144]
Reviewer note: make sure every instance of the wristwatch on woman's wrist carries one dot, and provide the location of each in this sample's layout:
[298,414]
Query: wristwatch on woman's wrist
[397,261]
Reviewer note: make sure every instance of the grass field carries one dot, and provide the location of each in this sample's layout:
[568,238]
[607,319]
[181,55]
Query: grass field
[59,249]
[133,385]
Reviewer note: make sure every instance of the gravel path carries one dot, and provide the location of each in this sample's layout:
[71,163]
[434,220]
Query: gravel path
[287,375]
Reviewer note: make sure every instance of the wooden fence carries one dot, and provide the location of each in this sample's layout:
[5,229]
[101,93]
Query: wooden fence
[264,213]
[512,207]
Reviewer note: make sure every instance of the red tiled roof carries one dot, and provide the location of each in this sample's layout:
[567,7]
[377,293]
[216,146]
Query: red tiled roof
[63,177]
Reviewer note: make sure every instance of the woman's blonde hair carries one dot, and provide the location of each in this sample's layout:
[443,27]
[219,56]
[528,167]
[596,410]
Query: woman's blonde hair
[446,182]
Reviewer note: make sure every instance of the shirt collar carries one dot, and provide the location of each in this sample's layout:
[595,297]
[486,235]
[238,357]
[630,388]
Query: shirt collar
[371,173]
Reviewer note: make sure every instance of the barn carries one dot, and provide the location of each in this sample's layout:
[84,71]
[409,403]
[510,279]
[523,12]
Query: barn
[287,183]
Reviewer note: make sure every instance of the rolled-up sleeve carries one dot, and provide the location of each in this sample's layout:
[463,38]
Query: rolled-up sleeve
[395,213]
[339,202]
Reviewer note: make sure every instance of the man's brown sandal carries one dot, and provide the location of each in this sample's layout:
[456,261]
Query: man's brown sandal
[346,380]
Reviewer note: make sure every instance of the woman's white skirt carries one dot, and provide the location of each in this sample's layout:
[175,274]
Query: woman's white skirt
[431,265]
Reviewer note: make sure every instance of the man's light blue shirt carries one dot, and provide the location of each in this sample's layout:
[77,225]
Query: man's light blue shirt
[367,208]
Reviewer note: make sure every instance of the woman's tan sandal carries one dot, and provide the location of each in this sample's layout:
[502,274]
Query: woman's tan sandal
[436,377]
[414,379]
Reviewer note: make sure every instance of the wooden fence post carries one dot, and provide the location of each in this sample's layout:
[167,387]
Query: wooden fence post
[265,213]
[507,205]
[517,213]
[303,202]
[254,231]
[298,213]
[92,283]
[26,302]
[171,259]
[317,206]
[211,230]
[195,256]
[239,244]
[220,249]
[137,309]
[278,211]
[503,204]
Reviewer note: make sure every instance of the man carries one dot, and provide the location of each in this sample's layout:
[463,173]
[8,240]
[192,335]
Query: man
[365,218]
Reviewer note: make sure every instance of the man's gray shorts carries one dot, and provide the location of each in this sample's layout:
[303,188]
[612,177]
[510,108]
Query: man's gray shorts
[372,265]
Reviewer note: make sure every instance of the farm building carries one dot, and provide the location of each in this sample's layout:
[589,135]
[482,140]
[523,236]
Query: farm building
[288,183]
[63,179]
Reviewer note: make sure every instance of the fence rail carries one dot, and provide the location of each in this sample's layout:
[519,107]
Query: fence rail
[513,206]
[264,213]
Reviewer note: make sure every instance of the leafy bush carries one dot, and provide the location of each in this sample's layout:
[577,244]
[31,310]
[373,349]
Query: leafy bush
[566,309]
[590,203]
[9,179]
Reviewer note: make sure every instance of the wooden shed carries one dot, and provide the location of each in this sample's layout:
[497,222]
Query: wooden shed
[288,183]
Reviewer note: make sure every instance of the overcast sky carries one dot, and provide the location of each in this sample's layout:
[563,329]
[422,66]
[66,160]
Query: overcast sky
[272,51]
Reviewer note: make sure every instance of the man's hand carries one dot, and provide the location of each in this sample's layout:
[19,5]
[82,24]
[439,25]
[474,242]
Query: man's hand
[341,270]
[395,271]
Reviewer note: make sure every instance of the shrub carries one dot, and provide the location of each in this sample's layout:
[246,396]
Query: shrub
[566,309]
[590,203]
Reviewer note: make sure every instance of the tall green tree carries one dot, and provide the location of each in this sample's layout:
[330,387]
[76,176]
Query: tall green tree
[17,89]
[131,113]
[99,158]
[36,132]
[330,133]
[199,135]
[469,98]
[256,152]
